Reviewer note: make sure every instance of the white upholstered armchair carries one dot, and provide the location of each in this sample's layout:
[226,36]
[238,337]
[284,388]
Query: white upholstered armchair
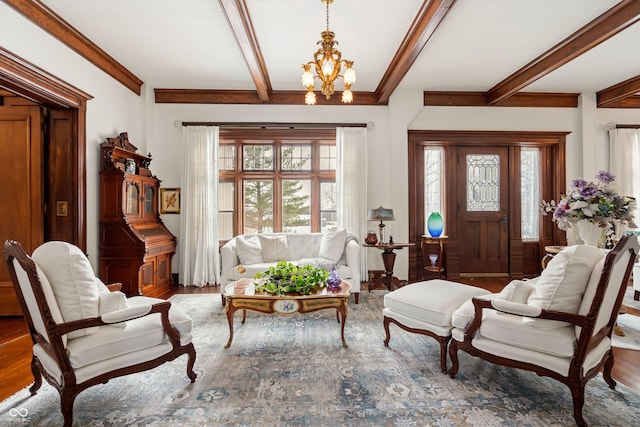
[82,333]
[558,325]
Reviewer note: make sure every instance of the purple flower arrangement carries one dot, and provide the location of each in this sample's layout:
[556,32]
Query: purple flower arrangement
[596,201]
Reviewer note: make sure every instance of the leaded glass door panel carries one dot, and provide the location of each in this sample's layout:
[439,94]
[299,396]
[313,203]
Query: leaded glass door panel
[483,192]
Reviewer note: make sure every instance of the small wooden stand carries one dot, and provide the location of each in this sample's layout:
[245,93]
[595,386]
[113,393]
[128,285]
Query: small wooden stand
[426,244]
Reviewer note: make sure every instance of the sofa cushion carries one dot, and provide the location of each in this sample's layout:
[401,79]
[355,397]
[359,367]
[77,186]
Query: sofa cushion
[274,248]
[72,280]
[249,250]
[561,285]
[332,245]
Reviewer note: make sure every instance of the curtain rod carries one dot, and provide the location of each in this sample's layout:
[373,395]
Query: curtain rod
[265,125]
[627,126]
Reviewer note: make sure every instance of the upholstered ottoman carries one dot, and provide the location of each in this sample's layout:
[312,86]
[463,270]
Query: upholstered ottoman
[426,308]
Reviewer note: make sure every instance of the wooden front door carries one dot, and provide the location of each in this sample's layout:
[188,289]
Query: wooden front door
[482,205]
[21,192]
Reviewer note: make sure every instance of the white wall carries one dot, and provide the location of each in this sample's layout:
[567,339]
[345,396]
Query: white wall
[112,110]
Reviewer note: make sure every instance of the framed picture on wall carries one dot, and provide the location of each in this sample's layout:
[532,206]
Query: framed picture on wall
[169,200]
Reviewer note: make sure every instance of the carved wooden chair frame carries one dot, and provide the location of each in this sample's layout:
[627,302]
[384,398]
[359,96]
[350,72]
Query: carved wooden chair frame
[54,347]
[576,380]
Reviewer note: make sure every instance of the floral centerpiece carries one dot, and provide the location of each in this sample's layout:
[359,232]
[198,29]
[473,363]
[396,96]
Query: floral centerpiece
[596,202]
[285,277]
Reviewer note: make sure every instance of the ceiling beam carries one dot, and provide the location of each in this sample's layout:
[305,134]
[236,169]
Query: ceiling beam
[521,99]
[628,102]
[49,21]
[610,23]
[278,97]
[618,92]
[240,22]
[430,15]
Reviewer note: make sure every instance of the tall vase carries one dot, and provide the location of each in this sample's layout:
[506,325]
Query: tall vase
[435,224]
[589,232]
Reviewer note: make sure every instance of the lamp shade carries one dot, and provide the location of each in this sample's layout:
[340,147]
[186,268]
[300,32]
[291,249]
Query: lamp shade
[381,214]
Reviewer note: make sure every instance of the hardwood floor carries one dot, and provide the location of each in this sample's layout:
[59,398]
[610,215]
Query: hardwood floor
[15,345]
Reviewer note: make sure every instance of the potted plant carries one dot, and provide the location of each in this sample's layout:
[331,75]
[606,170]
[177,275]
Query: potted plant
[285,277]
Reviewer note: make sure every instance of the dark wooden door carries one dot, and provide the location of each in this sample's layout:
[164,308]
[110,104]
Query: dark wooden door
[21,192]
[482,204]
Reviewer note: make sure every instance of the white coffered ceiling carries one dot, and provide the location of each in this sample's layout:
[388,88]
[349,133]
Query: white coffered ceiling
[189,44]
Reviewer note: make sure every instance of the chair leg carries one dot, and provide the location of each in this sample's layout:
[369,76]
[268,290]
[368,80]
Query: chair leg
[577,392]
[67,398]
[386,331]
[453,355]
[37,377]
[606,371]
[191,353]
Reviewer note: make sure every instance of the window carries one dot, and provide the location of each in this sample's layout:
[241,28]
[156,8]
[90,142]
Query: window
[433,160]
[530,193]
[281,181]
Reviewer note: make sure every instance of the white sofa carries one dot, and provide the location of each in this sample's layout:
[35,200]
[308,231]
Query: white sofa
[256,253]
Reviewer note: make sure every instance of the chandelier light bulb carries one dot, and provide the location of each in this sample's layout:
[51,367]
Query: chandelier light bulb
[347,95]
[310,98]
[307,77]
[349,75]
[327,67]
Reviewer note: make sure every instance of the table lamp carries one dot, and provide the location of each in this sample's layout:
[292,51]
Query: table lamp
[381,214]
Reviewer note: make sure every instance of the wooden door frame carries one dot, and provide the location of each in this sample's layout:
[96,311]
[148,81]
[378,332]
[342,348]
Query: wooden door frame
[553,172]
[29,81]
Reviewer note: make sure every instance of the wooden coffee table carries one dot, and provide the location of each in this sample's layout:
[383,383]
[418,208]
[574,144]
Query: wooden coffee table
[241,295]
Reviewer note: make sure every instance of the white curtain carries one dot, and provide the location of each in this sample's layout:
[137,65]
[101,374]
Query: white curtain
[198,243]
[351,185]
[624,158]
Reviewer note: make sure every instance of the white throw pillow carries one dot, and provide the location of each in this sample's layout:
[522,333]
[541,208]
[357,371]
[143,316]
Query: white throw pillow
[274,248]
[517,291]
[113,301]
[249,250]
[332,245]
[72,280]
[561,285]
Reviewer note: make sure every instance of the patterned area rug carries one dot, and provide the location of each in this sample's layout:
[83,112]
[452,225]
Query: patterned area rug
[291,370]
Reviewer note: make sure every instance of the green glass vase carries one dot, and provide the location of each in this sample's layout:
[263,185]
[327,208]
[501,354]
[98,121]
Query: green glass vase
[435,224]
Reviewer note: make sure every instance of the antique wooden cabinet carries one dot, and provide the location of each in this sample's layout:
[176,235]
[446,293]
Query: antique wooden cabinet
[135,246]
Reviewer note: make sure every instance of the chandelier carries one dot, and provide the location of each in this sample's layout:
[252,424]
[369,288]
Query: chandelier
[328,63]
